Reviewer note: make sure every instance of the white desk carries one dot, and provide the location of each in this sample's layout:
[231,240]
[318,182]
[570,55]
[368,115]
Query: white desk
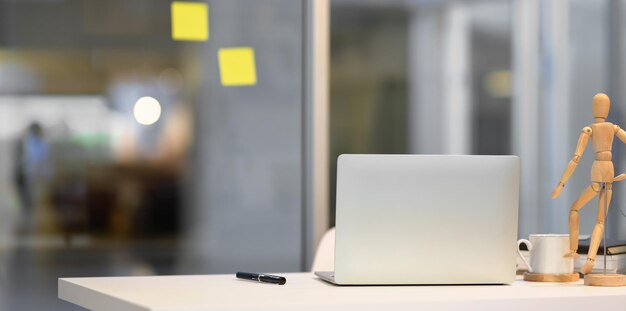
[304,291]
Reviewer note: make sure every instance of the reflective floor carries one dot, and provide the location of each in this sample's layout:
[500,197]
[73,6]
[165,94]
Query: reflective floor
[29,269]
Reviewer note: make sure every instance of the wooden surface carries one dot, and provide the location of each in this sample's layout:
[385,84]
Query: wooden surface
[304,291]
[551,277]
[606,280]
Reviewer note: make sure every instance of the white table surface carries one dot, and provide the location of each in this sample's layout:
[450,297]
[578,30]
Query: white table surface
[304,291]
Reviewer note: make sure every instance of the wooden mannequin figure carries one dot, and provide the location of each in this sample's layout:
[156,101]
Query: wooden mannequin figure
[602,176]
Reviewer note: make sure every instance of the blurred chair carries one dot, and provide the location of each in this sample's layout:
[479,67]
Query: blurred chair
[324,259]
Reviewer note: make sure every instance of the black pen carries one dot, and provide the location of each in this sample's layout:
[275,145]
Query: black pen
[265,278]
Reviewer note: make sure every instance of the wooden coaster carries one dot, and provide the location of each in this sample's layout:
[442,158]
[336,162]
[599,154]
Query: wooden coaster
[605,279]
[549,277]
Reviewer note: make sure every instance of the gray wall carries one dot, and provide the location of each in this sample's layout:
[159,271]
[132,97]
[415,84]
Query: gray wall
[246,212]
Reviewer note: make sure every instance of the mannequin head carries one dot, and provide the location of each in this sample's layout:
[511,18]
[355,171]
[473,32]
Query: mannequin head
[601,106]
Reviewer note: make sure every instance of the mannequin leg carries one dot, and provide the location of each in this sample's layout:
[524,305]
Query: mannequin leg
[598,229]
[584,198]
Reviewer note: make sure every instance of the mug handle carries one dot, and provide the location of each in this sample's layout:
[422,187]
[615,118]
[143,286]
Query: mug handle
[530,248]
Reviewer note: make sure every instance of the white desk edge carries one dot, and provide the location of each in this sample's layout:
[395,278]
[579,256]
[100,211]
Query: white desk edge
[304,291]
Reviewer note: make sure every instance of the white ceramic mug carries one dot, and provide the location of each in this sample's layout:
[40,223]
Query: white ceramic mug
[547,253]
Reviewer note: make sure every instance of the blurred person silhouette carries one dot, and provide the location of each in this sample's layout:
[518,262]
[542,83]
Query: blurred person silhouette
[31,156]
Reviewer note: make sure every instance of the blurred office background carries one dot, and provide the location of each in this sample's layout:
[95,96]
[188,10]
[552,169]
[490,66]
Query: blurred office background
[225,178]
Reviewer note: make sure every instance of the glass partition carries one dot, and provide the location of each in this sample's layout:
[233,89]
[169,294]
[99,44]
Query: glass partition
[417,77]
[144,137]
[481,77]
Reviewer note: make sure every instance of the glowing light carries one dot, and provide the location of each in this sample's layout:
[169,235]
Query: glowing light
[498,84]
[147,110]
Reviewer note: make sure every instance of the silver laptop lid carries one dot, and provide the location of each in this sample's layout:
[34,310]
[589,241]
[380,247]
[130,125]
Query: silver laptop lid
[426,219]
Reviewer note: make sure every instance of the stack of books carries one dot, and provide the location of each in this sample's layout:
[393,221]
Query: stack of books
[615,256]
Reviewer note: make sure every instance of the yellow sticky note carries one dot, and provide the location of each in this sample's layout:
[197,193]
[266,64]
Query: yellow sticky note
[237,66]
[190,21]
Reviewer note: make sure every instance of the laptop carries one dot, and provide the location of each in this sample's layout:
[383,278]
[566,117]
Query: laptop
[425,219]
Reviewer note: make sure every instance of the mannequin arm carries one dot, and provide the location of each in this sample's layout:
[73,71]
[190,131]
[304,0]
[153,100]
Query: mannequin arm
[621,134]
[583,140]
